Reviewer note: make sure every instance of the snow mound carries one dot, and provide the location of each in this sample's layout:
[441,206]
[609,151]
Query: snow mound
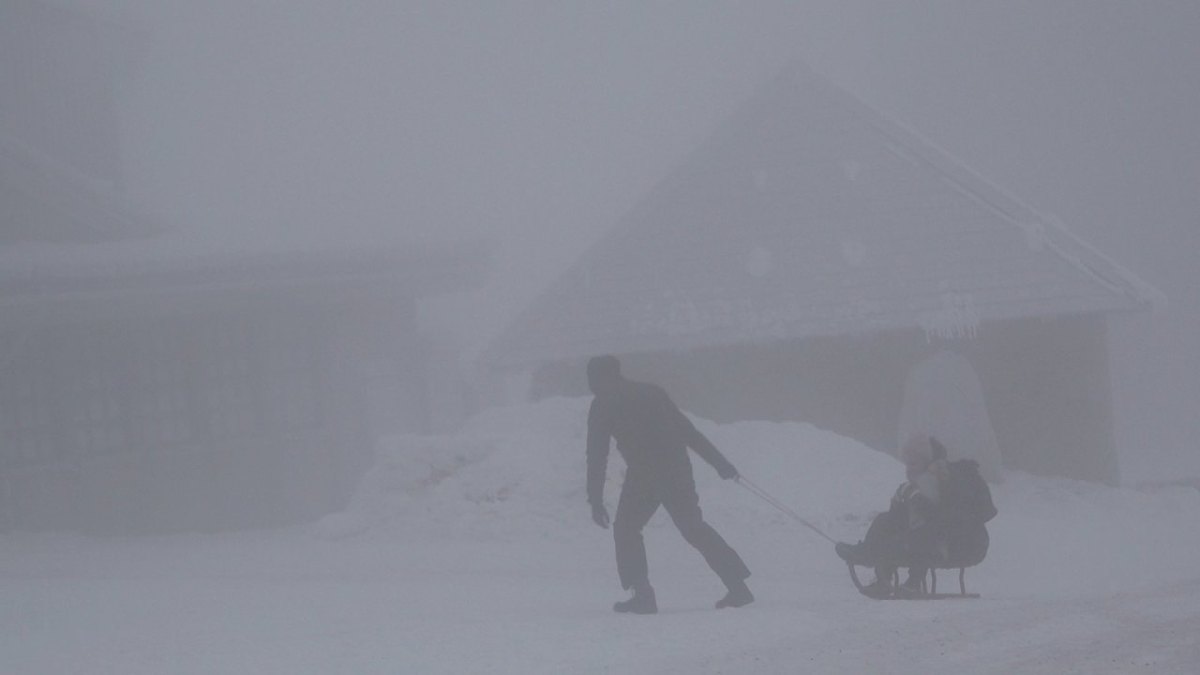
[517,474]
[506,466]
[521,469]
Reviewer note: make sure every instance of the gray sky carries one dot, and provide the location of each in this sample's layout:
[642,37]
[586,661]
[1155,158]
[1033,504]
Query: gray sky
[537,124]
[490,119]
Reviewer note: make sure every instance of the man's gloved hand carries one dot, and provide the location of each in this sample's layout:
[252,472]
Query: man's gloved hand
[600,515]
[726,472]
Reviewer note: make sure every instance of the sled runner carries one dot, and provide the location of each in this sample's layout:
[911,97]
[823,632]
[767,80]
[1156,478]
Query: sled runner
[928,589]
[966,547]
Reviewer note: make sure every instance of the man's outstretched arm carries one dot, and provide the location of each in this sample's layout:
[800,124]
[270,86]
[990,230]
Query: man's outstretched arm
[704,447]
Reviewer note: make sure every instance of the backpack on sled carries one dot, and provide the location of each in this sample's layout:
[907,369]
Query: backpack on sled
[966,506]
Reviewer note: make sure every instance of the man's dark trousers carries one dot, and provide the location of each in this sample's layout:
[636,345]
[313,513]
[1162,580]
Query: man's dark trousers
[641,495]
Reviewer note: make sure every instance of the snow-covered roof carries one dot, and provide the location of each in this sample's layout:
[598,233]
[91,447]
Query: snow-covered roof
[808,213]
[69,240]
[38,274]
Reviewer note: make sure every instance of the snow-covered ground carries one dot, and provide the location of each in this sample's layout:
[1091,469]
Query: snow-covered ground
[475,553]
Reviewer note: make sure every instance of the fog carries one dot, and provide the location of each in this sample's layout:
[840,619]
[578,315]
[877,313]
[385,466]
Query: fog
[536,126]
[255,251]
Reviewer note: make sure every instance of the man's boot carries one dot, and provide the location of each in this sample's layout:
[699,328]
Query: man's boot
[642,601]
[739,595]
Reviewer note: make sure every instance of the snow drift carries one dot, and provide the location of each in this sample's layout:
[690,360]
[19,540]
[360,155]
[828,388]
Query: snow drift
[518,472]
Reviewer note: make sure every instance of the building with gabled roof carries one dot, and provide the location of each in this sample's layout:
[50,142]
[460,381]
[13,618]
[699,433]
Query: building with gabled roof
[154,381]
[802,261]
[151,387]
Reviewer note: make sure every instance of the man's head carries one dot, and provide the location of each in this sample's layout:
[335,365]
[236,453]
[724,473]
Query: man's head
[603,373]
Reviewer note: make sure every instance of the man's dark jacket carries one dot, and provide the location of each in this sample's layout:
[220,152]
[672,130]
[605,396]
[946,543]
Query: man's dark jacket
[652,435]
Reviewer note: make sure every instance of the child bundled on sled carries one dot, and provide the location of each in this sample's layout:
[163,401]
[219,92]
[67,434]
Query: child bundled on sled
[936,519]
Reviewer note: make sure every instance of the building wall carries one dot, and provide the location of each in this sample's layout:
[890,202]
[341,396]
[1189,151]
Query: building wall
[249,417]
[1048,388]
[1045,383]
[1137,401]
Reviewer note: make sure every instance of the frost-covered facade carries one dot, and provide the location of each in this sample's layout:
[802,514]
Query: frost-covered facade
[807,257]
